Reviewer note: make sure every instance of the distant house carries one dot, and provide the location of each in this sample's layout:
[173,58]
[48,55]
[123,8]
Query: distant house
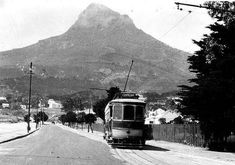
[54,104]
[87,111]
[4,103]
[154,116]
[3,98]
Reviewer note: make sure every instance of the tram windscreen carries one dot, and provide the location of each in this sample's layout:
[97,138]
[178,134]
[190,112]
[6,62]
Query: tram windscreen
[128,112]
[117,112]
[139,112]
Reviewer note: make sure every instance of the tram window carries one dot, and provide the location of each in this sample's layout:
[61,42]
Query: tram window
[117,112]
[139,112]
[128,112]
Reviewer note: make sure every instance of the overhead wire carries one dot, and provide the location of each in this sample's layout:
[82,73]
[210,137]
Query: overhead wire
[177,23]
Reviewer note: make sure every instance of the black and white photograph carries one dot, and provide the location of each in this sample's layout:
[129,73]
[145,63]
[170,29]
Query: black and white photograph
[117,82]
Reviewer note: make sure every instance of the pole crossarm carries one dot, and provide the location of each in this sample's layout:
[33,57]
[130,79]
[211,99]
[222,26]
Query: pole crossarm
[203,6]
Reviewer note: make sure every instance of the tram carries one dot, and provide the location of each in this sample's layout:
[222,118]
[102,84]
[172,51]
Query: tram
[124,120]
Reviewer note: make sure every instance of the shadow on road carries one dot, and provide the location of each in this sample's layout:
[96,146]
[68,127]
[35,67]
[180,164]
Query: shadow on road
[148,147]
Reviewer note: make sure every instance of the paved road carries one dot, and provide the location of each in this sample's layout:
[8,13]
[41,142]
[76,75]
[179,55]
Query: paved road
[62,145]
[163,153]
[52,145]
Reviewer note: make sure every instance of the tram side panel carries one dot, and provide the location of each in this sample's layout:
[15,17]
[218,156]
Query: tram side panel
[125,124]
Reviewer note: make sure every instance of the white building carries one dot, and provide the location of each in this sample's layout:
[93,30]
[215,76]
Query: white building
[3,102]
[54,104]
[154,116]
[87,111]
[3,98]
[5,105]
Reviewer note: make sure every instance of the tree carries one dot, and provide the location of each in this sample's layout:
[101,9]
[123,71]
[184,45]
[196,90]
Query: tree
[81,118]
[26,118]
[177,120]
[42,116]
[100,105]
[210,99]
[37,119]
[63,119]
[162,120]
[15,106]
[71,117]
[35,101]
[71,103]
[90,119]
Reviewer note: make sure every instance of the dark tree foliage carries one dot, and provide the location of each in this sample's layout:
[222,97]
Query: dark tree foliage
[63,119]
[112,92]
[35,101]
[41,116]
[81,117]
[71,103]
[90,118]
[36,118]
[71,117]
[178,120]
[26,118]
[211,97]
[99,106]
[162,120]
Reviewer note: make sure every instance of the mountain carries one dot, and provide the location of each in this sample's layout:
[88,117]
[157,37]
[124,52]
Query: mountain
[97,51]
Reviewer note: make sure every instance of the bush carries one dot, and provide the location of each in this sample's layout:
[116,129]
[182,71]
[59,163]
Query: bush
[26,118]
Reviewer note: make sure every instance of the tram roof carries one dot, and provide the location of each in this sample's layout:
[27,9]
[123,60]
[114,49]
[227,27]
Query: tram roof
[127,101]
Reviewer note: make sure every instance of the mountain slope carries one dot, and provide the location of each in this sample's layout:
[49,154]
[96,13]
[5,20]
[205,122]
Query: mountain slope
[99,47]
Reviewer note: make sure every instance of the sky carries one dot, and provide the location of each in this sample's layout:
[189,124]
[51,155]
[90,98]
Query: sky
[25,22]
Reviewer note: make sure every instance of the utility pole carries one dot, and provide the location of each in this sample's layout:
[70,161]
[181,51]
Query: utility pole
[30,84]
[90,103]
[41,115]
[128,76]
[37,119]
[202,6]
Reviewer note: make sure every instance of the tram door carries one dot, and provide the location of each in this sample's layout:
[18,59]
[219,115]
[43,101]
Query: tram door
[111,119]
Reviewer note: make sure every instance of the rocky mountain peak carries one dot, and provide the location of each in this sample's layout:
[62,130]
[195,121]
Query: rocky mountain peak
[96,7]
[99,15]
[96,52]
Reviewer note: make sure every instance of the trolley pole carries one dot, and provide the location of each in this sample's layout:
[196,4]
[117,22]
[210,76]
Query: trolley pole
[128,76]
[30,84]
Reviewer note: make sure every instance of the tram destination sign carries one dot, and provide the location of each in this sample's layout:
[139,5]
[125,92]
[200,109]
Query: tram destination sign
[129,95]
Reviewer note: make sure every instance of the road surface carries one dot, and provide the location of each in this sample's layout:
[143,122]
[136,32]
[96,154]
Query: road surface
[61,145]
[164,153]
[52,145]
